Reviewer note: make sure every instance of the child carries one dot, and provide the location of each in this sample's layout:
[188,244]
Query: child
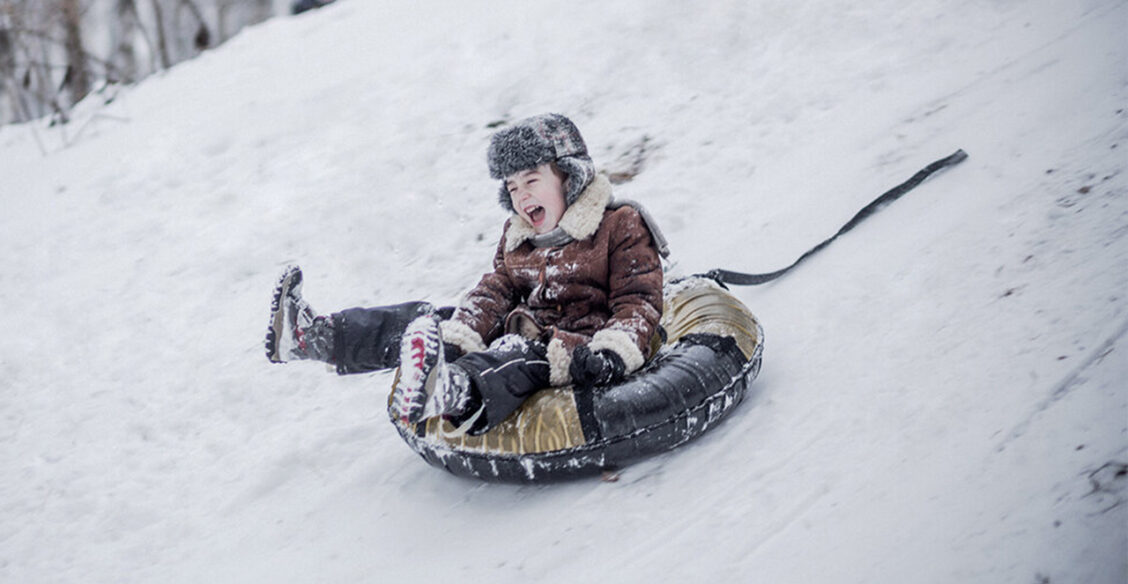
[574,297]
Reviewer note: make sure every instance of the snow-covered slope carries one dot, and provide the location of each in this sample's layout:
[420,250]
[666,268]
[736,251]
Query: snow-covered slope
[943,395]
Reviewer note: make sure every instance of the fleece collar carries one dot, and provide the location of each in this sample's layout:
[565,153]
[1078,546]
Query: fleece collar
[580,221]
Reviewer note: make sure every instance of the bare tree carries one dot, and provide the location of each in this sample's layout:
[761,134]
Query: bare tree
[27,60]
[235,14]
[128,27]
[190,29]
[202,38]
[46,58]
[162,37]
[8,74]
[77,77]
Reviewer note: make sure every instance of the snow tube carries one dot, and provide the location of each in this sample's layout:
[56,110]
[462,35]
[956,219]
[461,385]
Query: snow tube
[703,369]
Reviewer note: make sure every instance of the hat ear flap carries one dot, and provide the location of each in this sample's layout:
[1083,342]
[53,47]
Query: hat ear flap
[579,172]
[504,199]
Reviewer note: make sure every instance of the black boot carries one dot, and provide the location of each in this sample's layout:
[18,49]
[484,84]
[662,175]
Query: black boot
[296,332]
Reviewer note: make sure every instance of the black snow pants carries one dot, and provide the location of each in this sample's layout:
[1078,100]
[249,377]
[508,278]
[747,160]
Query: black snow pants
[368,339]
[501,378]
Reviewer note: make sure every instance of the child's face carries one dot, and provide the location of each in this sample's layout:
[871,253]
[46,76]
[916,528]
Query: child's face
[538,196]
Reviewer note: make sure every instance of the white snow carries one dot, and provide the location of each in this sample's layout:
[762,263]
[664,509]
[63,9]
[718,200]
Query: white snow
[943,389]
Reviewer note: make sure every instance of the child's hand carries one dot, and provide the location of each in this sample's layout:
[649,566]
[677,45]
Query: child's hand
[589,369]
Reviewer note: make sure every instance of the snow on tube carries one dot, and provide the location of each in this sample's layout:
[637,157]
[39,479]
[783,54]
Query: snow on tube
[703,369]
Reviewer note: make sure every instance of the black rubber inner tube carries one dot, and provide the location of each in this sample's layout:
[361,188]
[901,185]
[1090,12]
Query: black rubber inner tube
[695,380]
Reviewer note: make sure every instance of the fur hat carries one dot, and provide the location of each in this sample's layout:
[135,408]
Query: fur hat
[534,141]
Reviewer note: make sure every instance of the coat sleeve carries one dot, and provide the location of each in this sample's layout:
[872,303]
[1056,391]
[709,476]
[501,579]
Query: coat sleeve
[481,316]
[634,290]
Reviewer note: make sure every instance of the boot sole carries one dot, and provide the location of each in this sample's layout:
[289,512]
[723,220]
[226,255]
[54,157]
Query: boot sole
[289,279]
[419,362]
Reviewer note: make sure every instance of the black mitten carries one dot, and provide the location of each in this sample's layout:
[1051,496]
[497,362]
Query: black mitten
[589,369]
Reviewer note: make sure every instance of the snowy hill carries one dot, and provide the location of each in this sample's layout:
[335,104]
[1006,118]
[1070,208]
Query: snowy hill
[943,394]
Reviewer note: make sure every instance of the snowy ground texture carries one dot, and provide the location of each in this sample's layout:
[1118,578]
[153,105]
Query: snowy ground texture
[943,397]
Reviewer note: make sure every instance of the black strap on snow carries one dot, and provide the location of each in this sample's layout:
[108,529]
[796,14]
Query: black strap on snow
[742,279]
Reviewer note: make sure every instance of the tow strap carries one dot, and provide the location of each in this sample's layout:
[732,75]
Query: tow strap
[742,279]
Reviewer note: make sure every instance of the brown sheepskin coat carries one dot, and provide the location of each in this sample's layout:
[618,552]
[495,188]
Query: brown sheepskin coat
[604,288]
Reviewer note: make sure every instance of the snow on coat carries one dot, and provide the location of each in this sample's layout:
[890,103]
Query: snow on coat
[604,288]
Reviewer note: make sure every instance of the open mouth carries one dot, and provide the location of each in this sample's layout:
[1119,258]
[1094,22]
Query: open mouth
[535,213]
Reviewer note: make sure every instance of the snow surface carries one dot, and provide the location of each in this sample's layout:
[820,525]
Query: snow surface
[943,394]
